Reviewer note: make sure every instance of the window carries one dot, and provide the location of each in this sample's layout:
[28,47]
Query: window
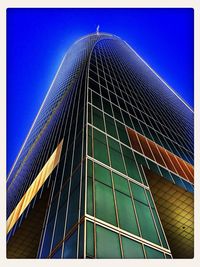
[71,247]
[153,253]
[127,220]
[90,239]
[102,174]
[132,249]
[122,134]
[110,126]
[105,208]
[131,166]
[98,119]
[108,246]
[121,184]
[115,156]
[100,147]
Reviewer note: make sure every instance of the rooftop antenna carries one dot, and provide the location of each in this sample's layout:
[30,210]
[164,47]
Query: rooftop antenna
[97,31]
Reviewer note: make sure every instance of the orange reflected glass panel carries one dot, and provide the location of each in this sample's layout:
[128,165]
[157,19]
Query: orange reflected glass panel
[161,155]
[134,140]
[167,159]
[157,154]
[185,169]
[145,147]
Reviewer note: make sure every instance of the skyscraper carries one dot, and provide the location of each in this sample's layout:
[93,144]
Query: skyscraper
[106,170]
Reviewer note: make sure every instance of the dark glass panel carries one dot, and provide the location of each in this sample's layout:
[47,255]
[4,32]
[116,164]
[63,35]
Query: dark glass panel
[90,240]
[70,249]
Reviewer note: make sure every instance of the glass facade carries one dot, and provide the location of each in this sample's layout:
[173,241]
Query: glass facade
[118,121]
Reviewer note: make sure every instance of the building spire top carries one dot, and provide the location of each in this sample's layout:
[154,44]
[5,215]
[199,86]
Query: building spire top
[97,31]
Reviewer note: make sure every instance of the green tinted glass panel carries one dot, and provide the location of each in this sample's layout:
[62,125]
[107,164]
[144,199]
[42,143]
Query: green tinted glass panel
[90,196]
[150,198]
[122,134]
[153,167]
[164,243]
[140,160]
[89,168]
[131,166]
[114,144]
[102,174]
[105,209]
[99,136]
[132,249]
[127,220]
[100,148]
[153,253]
[115,156]
[110,126]
[121,184]
[100,152]
[90,141]
[168,256]
[138,193]
[90,239]
[108,246]
[98,119]
[146,223]
[117,161]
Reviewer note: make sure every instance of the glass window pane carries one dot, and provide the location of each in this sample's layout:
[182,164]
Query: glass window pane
[90,141]
[100,152]
[115,156]
[105,209]
[108,246]
[90,239]
[153,253]
[138,193]
[57,254]
[73,207]
[102,174]
[81,241]
[100,147]
[90,196]
[117,161]
[166,174]
[117,113]
[70,249]
[122,134]
[127,220]
[98,119]
[89,168]
[96,100]
[110,126]
[132,249]
[153,167]
[131,166]
[121,184]
[164,243]
[146,222]
[107,107]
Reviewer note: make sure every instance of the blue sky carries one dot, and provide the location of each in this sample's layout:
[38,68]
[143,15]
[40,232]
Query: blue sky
[37,40]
